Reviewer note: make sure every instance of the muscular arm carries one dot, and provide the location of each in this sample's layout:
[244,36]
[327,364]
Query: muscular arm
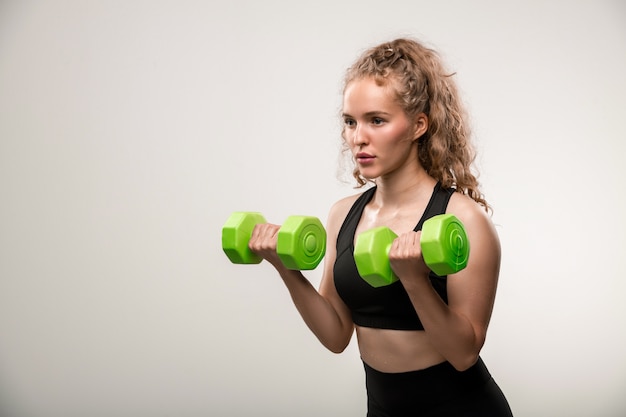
[457,330]
[323,312]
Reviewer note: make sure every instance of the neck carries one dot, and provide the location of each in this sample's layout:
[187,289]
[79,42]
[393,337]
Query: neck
[399,190]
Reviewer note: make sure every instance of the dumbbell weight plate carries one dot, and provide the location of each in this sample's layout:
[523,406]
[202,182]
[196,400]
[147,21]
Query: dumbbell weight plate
[371,256]
[445,246]
[301,243]
[236,234]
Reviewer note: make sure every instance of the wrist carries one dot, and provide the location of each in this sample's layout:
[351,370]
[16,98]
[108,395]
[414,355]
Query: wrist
[416,281]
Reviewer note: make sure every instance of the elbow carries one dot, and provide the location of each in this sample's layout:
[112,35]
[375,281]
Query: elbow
[336,349]
[337,346]
[465,360]
[468,357]
[462,364]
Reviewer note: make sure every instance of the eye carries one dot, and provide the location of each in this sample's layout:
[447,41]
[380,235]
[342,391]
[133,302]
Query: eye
[348,122]
[377,121]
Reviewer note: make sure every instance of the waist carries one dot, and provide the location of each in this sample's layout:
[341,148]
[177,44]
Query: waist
[440,383]
[396,350]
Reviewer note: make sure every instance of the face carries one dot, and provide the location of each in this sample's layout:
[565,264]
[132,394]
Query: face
[380,135]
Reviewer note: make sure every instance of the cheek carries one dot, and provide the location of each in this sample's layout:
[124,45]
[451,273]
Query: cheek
[399,134]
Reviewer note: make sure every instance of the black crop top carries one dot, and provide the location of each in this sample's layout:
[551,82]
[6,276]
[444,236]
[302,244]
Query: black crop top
[387,307]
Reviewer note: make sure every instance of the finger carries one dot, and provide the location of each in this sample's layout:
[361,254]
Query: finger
[407,245]
[263,237]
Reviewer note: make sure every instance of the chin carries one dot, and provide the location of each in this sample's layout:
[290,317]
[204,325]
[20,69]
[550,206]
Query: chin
[368,175]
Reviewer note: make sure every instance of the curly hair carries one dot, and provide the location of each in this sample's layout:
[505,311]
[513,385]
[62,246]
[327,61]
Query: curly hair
[422,85]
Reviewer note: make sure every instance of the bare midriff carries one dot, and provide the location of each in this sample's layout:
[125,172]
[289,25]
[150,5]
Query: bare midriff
[396,350]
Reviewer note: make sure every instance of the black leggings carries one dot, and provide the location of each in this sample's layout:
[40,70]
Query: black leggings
[437,391]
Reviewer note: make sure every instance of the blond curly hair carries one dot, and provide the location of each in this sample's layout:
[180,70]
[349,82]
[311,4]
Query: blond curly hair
[422,85]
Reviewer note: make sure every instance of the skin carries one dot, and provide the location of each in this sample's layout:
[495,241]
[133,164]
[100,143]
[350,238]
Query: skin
[384,140]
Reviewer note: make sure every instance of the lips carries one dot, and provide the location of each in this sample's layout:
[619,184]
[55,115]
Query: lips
[364,158]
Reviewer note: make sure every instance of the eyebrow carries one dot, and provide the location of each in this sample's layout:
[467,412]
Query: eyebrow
[370,114]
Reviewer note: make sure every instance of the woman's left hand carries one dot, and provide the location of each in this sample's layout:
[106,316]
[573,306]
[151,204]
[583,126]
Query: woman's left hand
[405,256]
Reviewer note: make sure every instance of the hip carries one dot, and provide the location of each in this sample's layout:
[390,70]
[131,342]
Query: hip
[439,390]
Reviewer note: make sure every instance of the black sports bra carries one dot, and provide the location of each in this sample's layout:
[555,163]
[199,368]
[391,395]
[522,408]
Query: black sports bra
[387,307]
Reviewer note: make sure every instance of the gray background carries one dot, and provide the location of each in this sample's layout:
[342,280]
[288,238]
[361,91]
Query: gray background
[129,130]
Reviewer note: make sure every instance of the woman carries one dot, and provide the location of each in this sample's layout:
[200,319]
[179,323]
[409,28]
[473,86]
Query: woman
[419,338]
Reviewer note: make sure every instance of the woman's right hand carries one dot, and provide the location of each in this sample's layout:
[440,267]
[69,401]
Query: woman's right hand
[263,243]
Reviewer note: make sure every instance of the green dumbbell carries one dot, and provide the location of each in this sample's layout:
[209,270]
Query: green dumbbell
[444,243]
[301,243]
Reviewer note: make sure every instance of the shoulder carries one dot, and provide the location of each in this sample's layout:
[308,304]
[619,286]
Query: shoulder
[474,217]
[463,206]
[340,210]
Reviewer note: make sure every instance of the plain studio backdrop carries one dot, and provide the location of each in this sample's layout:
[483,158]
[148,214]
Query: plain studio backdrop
[130,130]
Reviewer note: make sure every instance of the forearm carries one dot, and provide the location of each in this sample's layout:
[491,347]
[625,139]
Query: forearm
[450,332]
[317,312]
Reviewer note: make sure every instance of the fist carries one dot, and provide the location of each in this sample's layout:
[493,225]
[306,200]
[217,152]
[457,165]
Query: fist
[263,242]
[405,256]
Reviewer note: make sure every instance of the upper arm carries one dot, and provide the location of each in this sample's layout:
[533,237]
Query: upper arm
[327,289]
[472,291]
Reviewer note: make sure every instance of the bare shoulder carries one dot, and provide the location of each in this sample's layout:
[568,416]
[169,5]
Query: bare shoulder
[339,211]
[467,210]
[474,217]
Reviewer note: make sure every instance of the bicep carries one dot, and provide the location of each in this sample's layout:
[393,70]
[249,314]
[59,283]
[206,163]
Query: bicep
[472,291]
[327,285]
[329,292]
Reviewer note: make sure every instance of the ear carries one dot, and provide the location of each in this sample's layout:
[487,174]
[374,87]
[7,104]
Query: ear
[421,125]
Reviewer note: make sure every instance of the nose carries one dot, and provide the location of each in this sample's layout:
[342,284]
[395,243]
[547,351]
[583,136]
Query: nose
[359,137]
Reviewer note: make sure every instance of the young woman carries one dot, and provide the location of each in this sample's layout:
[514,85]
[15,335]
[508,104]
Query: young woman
[419,338]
